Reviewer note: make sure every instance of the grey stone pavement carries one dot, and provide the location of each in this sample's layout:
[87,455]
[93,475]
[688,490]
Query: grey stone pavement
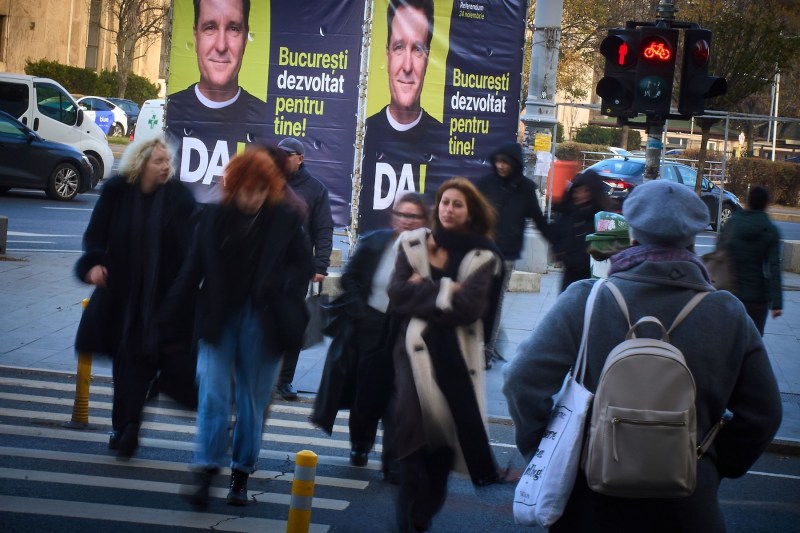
[40,306]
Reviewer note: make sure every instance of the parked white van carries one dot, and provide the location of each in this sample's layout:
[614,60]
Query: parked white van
[48,109]
[150,121]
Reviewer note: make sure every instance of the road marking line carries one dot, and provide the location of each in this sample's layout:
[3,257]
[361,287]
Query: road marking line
[32,242]
[59,251]
[109,460]
[68,434]
[162,426]
[146,485]
[69,208]
[770,474]
[140,515]
[26,234]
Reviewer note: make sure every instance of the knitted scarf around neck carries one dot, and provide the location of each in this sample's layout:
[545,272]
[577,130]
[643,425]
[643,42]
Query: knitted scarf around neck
[636,255]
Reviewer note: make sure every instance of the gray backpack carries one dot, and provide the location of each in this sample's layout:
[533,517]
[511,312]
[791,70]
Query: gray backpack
[642,439]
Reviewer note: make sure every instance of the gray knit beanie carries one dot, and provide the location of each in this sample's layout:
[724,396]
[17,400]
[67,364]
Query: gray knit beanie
[664,212]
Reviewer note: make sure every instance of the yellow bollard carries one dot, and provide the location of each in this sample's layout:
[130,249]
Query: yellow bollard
[80,406]
[305,471]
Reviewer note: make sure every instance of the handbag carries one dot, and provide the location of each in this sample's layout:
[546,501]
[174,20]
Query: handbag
[314,304]
[546,484]
[721,268]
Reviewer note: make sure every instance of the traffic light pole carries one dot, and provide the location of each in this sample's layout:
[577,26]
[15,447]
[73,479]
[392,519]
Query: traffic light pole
[655,126]
[652,154]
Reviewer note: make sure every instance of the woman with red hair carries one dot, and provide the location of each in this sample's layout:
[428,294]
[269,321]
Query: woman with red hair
[251,261]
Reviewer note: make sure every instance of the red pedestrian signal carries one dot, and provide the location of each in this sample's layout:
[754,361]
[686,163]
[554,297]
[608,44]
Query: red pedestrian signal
[696,84]
[616,88]
[622,53]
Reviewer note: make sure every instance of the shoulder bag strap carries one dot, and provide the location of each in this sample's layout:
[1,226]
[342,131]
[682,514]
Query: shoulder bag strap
[580,364]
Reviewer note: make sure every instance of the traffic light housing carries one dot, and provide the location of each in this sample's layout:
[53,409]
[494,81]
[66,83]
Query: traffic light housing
[655,71]
[616,88]
[696,84]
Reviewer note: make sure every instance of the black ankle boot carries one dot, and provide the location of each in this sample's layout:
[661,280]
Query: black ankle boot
[238,493]
[197,495]
[128,441]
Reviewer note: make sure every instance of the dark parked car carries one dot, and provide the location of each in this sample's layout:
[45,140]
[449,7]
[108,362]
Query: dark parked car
[131,109]
[29,162]
[622,175]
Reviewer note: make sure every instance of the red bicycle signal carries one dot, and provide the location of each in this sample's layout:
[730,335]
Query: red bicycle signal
[656,50]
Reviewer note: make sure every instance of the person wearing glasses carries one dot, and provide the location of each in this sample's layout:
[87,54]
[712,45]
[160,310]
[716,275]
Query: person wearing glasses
[215,111]
[364,283]
[402,140]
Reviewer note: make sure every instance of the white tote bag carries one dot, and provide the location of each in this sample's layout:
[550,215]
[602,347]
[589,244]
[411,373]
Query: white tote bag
[545,486]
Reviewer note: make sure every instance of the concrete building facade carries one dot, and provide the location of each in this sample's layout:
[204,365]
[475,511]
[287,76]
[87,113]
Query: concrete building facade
[71,33]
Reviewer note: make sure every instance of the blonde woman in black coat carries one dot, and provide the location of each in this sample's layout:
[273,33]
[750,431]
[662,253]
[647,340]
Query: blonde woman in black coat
[136,242]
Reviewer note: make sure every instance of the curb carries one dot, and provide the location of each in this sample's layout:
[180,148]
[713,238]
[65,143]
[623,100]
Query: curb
[784,446]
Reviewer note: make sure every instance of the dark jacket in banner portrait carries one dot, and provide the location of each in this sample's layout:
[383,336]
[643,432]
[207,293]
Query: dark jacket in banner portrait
[443,93]
[315,58]
[282,69]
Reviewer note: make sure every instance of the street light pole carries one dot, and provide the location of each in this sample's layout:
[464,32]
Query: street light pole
[775,119]
[540,106]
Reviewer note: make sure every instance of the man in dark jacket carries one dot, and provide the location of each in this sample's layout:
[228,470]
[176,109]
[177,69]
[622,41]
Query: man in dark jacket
[319,226]
[513,197]
[753,242]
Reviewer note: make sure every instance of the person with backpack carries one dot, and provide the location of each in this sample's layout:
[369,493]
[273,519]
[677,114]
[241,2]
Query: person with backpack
[723,352]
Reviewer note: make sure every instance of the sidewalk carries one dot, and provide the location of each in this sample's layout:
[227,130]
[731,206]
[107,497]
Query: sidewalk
[40,306]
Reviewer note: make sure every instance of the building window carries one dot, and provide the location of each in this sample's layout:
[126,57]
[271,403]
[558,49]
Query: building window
[93,41]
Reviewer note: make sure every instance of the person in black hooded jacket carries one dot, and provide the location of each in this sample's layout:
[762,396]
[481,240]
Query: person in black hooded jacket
[753,242]
[584,198]
[514,200]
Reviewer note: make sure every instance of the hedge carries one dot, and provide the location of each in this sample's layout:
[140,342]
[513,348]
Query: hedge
[781,179]
[84,82]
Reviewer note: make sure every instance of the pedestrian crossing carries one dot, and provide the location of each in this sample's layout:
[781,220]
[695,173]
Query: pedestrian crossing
[53,477]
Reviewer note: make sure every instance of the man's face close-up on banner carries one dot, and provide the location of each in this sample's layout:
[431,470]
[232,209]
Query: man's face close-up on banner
[220,36]
[407,60]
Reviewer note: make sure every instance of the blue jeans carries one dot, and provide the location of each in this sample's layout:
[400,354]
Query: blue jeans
[243,351]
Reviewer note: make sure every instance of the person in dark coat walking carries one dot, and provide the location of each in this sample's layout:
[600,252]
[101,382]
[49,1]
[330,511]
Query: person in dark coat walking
[134,246]
[753,243]
[727,358]
[585,197]
[513,197]
[319,226]
[367,388]
[249,266]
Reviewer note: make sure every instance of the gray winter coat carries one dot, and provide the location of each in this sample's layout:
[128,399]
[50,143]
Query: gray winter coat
[722,349]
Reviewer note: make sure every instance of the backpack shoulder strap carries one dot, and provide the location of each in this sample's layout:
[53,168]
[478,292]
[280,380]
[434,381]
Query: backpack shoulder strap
[620,301]
[688,308]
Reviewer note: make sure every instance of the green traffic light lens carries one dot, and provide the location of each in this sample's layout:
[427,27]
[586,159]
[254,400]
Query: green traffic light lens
[654,88]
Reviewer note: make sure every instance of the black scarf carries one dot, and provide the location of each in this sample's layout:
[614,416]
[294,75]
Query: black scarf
[458,244]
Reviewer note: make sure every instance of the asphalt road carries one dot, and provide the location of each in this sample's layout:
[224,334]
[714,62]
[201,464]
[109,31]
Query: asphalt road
[36,223]
[54,479]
